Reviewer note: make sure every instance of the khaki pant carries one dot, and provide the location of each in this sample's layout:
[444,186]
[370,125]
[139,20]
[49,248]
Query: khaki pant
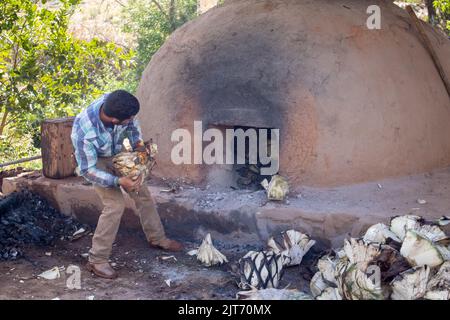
[113,208]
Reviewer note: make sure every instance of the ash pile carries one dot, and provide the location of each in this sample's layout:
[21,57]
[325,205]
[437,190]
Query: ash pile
[28,219]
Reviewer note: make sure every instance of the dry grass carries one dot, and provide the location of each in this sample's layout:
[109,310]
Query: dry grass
[101,19]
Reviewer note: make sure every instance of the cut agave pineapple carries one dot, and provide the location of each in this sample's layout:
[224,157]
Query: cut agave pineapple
[410,284]
[326,266]
[208,254]
[438,287]
[318,284]
[400,224]
[380,233]
[295,246]
[260,270]
[432,232]
[135,164]
[420,251]
[277,189]
[361,253]
[357,284]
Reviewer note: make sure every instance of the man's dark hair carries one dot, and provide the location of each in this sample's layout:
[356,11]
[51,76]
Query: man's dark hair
[121,105]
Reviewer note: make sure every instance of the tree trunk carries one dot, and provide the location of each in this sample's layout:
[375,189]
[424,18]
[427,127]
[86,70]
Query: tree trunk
[58,160]
[3,123]
[172,17]
[431,11]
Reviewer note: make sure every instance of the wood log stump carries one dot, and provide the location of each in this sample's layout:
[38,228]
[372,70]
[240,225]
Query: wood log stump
[58,159]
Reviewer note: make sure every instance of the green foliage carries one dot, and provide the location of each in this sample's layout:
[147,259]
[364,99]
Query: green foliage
[45,72]
[17,147]
[152,22]
[443,12]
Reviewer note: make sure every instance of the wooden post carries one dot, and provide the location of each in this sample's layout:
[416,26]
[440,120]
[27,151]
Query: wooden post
[58,160]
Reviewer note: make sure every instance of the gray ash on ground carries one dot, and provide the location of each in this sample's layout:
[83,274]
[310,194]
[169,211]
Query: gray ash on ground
[28,219]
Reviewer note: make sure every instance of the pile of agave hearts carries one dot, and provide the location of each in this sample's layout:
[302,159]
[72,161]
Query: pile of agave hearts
[407,260]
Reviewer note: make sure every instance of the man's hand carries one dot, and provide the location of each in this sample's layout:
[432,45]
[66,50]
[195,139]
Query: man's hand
[130,183]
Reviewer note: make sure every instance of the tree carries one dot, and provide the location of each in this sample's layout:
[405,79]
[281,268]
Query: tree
[443,14]
[44,71]
[152,21]
[431,11]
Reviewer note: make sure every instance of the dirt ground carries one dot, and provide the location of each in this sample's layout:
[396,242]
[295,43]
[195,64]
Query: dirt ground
[142,273]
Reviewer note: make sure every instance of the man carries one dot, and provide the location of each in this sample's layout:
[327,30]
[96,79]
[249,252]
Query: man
[97,135]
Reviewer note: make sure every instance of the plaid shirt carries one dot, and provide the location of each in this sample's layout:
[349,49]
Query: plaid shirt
[91,139]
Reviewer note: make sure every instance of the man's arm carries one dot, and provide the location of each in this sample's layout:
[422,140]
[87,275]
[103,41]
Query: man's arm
[135,134]
[86,157]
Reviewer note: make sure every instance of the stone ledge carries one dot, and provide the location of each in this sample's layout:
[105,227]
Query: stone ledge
[328,215]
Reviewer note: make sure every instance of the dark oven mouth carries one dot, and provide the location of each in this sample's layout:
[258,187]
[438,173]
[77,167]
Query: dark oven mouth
[247,168]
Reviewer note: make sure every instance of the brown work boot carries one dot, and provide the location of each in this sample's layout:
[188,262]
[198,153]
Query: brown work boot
[167,244]
[102,270]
